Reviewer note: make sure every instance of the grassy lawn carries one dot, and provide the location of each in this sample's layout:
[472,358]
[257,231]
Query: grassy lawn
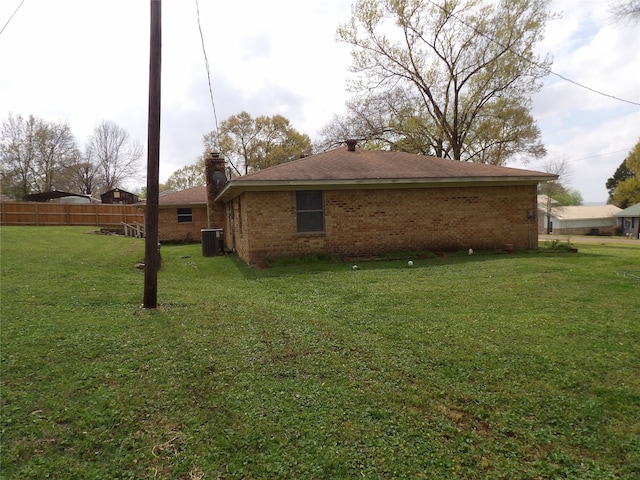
[490,366]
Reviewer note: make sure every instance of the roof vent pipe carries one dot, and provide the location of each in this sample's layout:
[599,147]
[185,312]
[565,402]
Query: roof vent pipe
[351,145]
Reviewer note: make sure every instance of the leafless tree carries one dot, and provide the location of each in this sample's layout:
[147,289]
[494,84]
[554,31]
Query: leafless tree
[18,154]
[625,11]
[550,189]
[34,155]
[114,153]
[83,177]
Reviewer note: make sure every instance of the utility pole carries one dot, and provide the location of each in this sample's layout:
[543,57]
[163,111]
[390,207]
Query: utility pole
[152,247]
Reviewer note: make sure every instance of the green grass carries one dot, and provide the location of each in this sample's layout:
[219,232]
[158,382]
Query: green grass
[490,366]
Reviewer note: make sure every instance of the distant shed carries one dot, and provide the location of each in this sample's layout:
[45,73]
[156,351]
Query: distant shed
[57,196]
[119,196]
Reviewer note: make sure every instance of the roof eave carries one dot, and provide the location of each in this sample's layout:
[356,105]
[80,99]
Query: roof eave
[237,187]
[576,219]
[175,205]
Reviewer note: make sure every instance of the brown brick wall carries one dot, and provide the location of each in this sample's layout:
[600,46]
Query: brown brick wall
[235,233]
[367,222]
[170,230]
[216,215]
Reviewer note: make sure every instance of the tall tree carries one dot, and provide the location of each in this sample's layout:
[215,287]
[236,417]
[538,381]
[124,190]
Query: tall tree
[236,140]
[627,193]
[252,144]
[35,155]
[456,76]
[114,153]
[57,151]
[18,150]
[187,177]
[627,190]
[621,173]
[279,142]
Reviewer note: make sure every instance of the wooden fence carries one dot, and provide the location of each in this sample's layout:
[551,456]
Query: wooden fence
[97,214]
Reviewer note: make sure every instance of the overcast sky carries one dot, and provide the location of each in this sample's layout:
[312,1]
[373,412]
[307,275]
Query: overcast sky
[84,61]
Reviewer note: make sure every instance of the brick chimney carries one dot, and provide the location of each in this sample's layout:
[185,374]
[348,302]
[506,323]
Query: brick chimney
[214,169]
[351,145]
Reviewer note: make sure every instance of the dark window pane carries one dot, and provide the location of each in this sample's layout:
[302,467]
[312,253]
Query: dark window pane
[311,200]
[310,221]
[185,215]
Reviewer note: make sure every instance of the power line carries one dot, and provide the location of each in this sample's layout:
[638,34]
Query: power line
[11,17]
[206,61]
[548,70]
[602,154]
[570,160]
[585,86]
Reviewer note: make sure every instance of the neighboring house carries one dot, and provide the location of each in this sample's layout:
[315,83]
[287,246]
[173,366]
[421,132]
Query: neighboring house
[354,202]
[119,196]
[583,220]
[629,221]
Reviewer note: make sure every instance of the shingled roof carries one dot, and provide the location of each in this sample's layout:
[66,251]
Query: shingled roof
[343,168]
[188,196]
[632,211]
[585,212]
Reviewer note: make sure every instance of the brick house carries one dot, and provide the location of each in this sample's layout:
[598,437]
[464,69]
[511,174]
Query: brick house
[182,215]
[355,202]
